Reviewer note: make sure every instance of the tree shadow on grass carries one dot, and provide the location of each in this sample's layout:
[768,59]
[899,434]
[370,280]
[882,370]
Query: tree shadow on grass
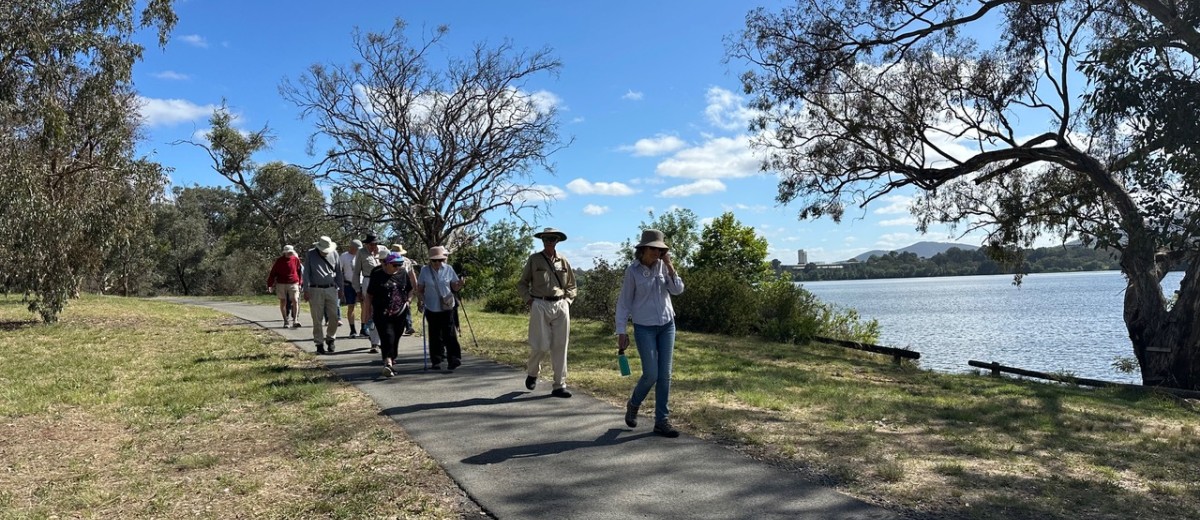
[11,325]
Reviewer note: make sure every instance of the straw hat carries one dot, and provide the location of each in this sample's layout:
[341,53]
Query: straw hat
[551,232]
[438,253]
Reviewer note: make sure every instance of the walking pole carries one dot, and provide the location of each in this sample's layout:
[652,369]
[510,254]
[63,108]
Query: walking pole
[424,348]
[468,318]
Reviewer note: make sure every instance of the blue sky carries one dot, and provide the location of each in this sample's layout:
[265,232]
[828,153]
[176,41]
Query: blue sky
[657,116]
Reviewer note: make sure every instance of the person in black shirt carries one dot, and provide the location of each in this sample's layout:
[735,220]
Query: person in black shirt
[389,290]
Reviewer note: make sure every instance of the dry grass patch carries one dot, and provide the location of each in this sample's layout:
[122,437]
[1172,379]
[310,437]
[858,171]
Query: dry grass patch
[138,409]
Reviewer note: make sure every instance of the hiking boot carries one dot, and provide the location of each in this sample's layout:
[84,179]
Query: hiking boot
[530,382]
[329,345]
[631,415]
[560,392]
[320,349]
[453,364]
[665,429]
[353,332]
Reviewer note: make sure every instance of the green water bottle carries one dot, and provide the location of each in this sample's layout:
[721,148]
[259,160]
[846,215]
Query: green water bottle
[623,362]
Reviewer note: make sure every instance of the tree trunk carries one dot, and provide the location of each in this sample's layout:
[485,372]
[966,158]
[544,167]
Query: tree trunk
[1165,341]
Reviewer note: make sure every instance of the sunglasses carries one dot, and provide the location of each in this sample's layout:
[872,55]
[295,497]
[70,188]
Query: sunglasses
[437,261]
[549,239]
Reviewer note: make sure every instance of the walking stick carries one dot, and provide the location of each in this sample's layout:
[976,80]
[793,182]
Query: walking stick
[424,348]
[468,318]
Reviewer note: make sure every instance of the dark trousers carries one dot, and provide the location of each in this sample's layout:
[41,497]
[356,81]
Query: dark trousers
[407,314]
[390,329]
[443,340]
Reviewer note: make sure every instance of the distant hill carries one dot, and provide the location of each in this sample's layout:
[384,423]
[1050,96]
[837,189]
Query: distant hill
[921,249]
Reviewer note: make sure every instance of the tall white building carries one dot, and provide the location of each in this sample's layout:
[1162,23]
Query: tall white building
[801,257]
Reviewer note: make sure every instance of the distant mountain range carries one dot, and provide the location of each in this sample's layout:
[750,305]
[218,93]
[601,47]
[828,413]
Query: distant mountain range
[921,249]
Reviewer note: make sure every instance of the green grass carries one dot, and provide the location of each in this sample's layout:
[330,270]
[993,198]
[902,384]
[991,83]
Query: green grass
[947,445]
[138,408]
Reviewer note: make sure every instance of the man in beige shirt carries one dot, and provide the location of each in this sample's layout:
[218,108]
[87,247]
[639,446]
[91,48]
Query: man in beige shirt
[547,286]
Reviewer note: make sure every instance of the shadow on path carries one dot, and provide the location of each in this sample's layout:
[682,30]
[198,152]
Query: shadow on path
[609,438]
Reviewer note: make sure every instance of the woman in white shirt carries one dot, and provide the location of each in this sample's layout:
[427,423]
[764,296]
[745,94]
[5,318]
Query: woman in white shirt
[436,286]
[645,299]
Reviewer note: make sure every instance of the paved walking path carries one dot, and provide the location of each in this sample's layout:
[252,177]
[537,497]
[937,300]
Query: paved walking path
[522,454]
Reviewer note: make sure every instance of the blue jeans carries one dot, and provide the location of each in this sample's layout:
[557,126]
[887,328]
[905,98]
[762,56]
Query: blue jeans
[655,345]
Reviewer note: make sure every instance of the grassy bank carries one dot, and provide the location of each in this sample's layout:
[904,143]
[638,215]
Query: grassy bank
[131,408]
[936,445]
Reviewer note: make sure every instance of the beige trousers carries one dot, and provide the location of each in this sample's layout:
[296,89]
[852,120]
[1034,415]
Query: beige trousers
[323,306]
[549,333]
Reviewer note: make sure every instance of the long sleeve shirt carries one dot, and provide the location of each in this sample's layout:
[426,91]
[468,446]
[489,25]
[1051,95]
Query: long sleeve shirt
[321,271]
[286,269]
[363,266]
[645,295]
[547,278]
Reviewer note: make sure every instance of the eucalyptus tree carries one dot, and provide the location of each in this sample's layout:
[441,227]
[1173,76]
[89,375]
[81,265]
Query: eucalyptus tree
[1020,118]
[727,245]
[682,229]
[74,191]
[437,145]
[283,195]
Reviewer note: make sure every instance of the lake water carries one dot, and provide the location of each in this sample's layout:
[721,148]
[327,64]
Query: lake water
[1068,322]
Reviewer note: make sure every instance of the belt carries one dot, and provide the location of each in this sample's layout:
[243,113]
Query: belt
[549,298]
[321,286]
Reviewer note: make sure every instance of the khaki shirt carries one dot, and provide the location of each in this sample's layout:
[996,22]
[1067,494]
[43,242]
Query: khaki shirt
[538,280]
[366,262]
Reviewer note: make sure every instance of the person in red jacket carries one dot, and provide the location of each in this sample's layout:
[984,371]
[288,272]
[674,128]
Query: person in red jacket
[284,281]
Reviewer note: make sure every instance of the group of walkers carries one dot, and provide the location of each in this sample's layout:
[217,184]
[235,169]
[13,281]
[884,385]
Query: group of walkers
[547,286]
[385,282]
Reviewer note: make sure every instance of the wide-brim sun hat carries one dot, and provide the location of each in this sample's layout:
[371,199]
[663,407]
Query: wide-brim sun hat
[653,238]
[551,232]
[369,239]
[399,249]
[438,253]
[326,245]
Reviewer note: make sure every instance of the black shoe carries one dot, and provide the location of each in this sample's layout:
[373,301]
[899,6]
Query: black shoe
[435,366]
[320,349]
[329,345]
[353,331]
[631,415]
[453,364]
[409,332]
[530,382]
[560,392]
[665,429]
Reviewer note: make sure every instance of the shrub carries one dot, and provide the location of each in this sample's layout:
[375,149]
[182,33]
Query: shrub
[715,300]
[598,290]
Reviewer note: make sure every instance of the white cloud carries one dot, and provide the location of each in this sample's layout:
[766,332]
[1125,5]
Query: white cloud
[171,75]
[726,110]
[583,187]
[592,209]
[633,96]
[717,158]
[163,112]
[902,221]
[700,187]
[896,205]
[543,101]
[658,145]
[891,241]
[195,40]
